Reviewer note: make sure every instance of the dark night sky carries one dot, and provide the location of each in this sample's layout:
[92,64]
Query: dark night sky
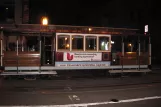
[69,13]
[115,13]
[83,12]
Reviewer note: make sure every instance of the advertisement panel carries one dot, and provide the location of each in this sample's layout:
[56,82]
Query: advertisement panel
[76,56]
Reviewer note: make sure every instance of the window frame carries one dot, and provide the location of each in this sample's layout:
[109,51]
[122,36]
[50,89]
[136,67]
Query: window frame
[62,34]
[83,42]
[86,42]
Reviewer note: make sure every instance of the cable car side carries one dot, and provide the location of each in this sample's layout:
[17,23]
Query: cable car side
[36,50]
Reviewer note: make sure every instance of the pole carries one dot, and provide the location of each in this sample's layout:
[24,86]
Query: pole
[149,50]
[40,50]
[122,56]
[139,53]
[17,54]
[1,53]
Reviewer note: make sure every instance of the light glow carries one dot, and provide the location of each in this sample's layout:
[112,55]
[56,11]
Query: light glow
[45,21]
[67,45]
[112,42]
[90,29]
[130,44]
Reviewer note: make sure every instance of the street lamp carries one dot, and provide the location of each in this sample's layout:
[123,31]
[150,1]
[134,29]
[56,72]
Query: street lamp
[44,21]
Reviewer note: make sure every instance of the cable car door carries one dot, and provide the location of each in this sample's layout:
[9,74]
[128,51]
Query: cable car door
[48,50]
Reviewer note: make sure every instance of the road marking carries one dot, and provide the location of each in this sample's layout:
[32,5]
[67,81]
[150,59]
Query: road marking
[68,88]
[94,104]
[70,97]
[76,98]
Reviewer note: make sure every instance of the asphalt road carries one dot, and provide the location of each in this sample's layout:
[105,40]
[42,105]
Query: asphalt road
[82,92]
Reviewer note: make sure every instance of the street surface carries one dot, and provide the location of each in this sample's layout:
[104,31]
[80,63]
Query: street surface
[82,92]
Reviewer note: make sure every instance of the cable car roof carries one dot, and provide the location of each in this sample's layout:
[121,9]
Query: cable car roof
[37,28]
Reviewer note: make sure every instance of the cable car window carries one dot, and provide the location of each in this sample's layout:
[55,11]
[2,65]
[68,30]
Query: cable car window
[77,42]
[11,43]
[104,43]
[144,42]
[91,43]
[131,43]
[64,42]
[32,43]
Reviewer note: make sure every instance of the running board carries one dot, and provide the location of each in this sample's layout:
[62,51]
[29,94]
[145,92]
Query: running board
[55,68]
[30,73]
[129,71]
